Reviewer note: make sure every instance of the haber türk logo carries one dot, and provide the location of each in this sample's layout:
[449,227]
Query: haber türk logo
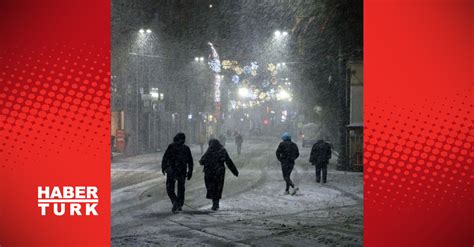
[68,200]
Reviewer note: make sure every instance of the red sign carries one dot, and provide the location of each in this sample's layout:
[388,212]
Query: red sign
[120,141]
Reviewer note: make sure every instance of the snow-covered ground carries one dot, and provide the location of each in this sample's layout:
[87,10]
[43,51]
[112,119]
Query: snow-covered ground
[253,212]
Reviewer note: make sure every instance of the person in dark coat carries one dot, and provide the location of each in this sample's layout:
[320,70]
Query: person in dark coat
[214,171]
[238,141]
[177,165]
[320,155]
[287,152]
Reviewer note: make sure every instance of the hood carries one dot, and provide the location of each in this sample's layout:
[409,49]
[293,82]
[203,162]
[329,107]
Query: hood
[214,144]
[179,138]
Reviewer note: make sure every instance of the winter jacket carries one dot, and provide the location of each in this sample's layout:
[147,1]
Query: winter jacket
[287,152]
[215,157]
[214,170]
[177,159]
[201,139]
[321,152]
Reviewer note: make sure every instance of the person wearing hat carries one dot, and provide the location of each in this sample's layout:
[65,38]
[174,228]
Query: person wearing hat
[287,152]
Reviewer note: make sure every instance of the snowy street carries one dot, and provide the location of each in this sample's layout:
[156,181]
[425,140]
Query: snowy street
[254,210]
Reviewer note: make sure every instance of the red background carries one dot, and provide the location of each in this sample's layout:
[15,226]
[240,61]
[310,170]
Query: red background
[54,120]
[54,117]
[419,136]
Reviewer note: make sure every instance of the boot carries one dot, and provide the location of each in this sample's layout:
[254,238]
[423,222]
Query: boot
[215,204]
[175,207]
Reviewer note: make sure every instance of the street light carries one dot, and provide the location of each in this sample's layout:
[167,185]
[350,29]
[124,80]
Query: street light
[142,31]
[279,34]
[196,59]
[148,31]
[201,59]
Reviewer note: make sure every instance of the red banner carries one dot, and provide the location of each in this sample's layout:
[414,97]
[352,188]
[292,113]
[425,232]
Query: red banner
[54,123]
[418,113]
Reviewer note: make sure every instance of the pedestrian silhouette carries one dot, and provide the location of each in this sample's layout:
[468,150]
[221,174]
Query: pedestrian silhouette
[177,165]
[214,171]
[287,152]
[238,141]
[320,155]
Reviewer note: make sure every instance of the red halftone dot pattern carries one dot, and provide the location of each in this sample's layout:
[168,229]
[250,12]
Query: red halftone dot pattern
[419,156]
[53,101]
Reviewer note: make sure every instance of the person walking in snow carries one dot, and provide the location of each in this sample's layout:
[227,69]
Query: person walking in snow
[320,155]
[177,165]
[201,140]
[214,171]
[287,152]
[238,141]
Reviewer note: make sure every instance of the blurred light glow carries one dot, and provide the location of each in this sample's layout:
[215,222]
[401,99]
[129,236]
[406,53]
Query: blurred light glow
[283,94]
[196,59]
[277,33]
[285,33]
[148,31]
[201,59]
[244,92]
[142,31]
